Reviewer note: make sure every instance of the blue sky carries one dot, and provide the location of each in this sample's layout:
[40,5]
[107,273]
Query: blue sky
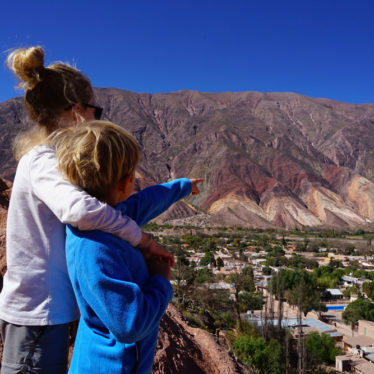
[316,48]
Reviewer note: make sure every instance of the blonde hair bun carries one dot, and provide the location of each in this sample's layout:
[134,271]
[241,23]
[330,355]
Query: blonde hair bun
[28,65]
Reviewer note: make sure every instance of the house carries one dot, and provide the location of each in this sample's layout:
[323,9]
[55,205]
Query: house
[322,261]
[333,294]
[335,256]
[351,281]
[359,363]
[366,328]
[257,262]
[366,264]
[290,247]
[342,363]
[261,285]
[348,281]
[356,342]
[220,286]
[308,325]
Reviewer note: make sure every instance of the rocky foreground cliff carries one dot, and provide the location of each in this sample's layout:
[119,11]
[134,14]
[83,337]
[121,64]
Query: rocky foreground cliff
[268,160]
[5,191]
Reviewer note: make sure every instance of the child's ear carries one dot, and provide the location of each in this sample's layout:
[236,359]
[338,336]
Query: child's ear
[124,182]
[131,177]
[122,185]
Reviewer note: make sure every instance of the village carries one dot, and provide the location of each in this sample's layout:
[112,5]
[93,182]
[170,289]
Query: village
[343,276]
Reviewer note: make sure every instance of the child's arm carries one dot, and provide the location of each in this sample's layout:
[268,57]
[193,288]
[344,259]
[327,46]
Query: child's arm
[152,201]
[129,312]
[74,206]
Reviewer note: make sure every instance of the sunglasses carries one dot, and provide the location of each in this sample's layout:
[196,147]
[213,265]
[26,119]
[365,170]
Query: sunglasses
[98,110]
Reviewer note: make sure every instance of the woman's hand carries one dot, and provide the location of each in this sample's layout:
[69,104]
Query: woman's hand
[149,247]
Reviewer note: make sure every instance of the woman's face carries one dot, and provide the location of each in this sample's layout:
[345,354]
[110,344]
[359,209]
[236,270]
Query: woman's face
[77,114]
[88,113]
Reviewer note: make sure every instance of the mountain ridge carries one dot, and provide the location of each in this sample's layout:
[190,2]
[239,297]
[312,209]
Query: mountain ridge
[268,159]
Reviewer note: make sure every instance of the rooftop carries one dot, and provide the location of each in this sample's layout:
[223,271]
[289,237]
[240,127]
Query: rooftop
[309,324]
[365,322]
[361,340]
[334,291]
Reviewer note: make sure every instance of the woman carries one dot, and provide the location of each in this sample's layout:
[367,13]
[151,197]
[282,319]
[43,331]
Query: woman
[37,302]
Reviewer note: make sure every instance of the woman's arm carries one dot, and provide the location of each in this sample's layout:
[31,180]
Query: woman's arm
[74,206]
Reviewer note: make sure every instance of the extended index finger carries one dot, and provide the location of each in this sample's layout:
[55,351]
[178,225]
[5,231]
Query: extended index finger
[196,180]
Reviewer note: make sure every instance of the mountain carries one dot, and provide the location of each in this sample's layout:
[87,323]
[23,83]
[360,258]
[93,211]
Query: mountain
[268,159]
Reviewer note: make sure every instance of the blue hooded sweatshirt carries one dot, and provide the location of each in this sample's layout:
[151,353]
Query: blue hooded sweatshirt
[120,303]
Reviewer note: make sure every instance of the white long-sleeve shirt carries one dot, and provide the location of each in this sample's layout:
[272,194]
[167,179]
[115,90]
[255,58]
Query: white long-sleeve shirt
[37,289]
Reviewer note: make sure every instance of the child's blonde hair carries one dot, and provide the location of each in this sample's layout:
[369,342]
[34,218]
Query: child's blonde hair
[95,155]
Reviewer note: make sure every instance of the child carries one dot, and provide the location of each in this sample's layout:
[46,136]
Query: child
[121,299]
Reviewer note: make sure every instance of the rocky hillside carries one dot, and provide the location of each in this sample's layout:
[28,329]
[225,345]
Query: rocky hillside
[185,350]
[5,190]
[269,160]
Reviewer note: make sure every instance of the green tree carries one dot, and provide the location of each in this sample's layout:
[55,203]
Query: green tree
[368,288]
[218,305]
[219,263]
[284,241]
[209,244]
[208,259]
[236,243]
[306,295]
[194,241]
[203,276]
[276,251]
[243,281]
[264,241]
[184,275]
[321,348]
[265,358]
[358,309]
[249,301]
[348,291]
[369,240]
[301,288]
[242,256]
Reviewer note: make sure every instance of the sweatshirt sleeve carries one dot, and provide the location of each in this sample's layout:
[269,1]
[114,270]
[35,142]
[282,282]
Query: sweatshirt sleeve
[153,201]
[72,205]
[128,311]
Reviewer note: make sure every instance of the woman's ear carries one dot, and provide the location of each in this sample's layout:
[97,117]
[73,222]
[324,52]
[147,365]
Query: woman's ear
[78,112]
